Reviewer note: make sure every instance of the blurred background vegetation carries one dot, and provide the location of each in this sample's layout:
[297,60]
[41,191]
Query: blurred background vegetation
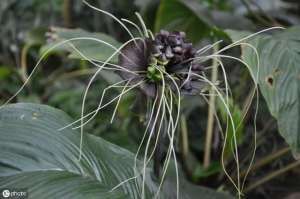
[60,79]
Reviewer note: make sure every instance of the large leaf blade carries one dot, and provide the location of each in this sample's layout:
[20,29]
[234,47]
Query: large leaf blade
[184,19]
[196,19]
[89,44]
[278,77]
[59,184]
[35,155]
[30,141]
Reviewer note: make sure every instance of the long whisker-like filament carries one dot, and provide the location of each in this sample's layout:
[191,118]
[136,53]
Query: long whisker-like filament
[134,25]
[137,173]
[151,34]
[95,112]
[101,100]
[153,109]
[248,37]
[170,148]
[46,53]
[230,57]
[188,77]
[99,108]
[227,91]
[234,138]
[113,17]
[143,24]
[207,47]
[173,130]
[256,110]
[165,111]
[118,102]
[216,116]
[123,182]
[255,78]
[164,107]
[147,127]
[255,142]
[94,62]
[150,135]
[90,83]
[234,129]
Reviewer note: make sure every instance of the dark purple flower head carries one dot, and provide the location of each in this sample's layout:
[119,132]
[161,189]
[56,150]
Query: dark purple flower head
[171,53]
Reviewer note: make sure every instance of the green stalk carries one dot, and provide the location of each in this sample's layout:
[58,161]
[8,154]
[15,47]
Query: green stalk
[268,159]
[24,54]
[272,175]
[67,13]
[184,138]
[211,110]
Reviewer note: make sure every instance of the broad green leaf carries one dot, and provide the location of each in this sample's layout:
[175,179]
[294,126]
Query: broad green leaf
[36,156]
[278,77]
[177,15]
[190,191]
[196,19]
[90,48]
[59,184]
[31,142]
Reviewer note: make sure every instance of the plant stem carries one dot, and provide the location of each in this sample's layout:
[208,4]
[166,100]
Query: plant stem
[157,159]
[273,175]
[184,137]
[211,110]
[67,13]
[24,62]
[268,159]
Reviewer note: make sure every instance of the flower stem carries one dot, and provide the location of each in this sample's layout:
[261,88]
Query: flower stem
[273,175]
[184,137]
[157,153]
[67,13]
[24,54]
[211,110]
[268,159]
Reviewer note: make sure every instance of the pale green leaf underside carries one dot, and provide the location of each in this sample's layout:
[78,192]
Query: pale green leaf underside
[278,78]
[35,155]
[30,142]
[59,184]
[91,49]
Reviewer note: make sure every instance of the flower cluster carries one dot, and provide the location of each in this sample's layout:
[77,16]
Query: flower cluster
[168,53]
[171,48]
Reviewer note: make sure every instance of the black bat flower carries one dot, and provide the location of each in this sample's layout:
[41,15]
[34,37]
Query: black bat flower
[168,52]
